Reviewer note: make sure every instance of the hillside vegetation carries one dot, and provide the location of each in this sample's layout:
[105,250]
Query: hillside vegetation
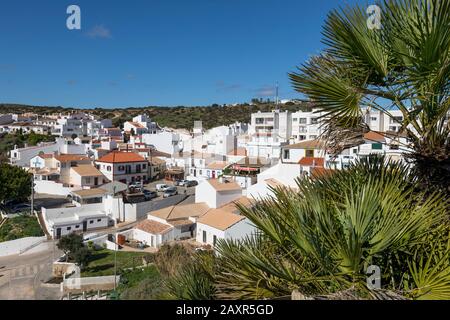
[174,117]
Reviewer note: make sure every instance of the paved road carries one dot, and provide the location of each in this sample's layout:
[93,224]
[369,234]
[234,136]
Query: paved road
[22,276]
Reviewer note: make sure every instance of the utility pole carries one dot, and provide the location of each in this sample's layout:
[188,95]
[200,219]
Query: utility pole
[32,195]
[115,261]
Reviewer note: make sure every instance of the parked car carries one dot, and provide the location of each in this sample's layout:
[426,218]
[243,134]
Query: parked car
[136,185]
[190,183]
[21,208]
[149,195]
[169,192]
[162,187]
[178,182]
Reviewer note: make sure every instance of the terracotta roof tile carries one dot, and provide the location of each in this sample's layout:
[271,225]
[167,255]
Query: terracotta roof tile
[121,157]
[153,227]
[71,157]
[312,161]
[374,136]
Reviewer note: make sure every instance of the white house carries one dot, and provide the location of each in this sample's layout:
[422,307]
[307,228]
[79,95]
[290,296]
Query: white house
[224,223]
[62,221]
[169,224]
[269,131]
[217,192]
[140,125]
[126,167]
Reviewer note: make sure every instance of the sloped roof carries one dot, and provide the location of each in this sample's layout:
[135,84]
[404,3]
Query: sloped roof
[220,219]
[374,136]
[70,157]
[121,157]
[87,170]
[218,165]
[181,211]
[312,161]
[308,144]
[319,172]
[153,227]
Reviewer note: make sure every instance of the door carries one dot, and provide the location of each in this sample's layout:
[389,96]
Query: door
[84,225]
[58,233]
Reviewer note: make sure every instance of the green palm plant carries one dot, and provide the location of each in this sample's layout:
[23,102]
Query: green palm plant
[321,239]
[404,65]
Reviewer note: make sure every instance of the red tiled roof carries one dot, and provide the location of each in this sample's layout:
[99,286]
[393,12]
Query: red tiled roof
[374,136]
[318,172]
[121,157]
[70,157]
[312,161]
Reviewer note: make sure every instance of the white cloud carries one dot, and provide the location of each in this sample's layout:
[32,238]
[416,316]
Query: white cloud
[99,31]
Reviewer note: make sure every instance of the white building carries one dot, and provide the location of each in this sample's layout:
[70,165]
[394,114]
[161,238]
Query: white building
[217,192]
[269,131]
[164,141]
[140,125]
[224,223]
[126,167]
[306,125]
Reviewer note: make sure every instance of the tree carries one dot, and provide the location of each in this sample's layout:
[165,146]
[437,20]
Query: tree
[71,245]
[81,256]
[403,65]
[321,239]
[15,183]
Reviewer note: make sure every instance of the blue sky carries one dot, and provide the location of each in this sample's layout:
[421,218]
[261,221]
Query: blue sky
[155,52]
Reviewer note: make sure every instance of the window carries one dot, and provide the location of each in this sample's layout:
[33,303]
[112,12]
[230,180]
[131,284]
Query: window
[259,120]
[185,229]
[88,180]
[373,118]
[144,166]
[69,228]
[91,222]
[73,164]
[377,146]
[77,226]
[98,220]
[121,168]
[204,236]
[214,240]
[309,153]
[286,154]
[294,119]
[314,121]
[301,137]
[108,168]
[312,137]
[302,120]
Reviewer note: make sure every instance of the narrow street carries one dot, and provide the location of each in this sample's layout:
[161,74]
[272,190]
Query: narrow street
[23,276]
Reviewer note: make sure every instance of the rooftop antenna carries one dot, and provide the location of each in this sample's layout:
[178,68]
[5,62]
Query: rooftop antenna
[276,95]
